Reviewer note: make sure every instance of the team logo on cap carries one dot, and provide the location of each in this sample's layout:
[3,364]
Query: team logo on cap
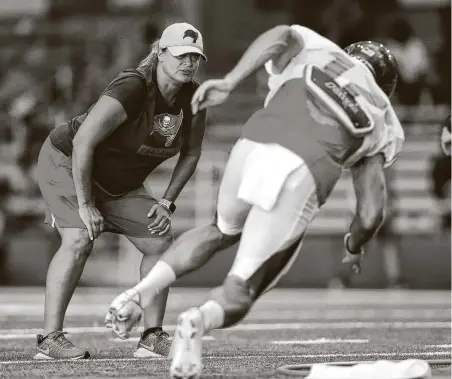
[192,34]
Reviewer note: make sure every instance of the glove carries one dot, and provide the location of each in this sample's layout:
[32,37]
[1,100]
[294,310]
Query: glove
[124,313]
[353,259]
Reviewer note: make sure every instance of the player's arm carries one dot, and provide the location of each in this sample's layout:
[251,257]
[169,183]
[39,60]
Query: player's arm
[102,120]
[446,137]
[370,191]
[120,101]
[188,158]
[279,44]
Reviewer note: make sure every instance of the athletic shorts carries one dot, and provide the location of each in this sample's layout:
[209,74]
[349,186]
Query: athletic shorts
[125,214]
[269,195]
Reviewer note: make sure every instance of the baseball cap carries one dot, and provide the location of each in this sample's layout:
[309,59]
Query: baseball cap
[182,38]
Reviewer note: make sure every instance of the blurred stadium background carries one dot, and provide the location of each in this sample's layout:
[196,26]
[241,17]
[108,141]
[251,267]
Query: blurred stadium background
[58,55]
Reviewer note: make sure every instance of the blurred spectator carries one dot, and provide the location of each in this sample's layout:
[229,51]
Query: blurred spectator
[304,13]
[413,59]
[387,238]
[346,22]
[442,61]
[441,177]
[445,138]
[150,33]
[4,276]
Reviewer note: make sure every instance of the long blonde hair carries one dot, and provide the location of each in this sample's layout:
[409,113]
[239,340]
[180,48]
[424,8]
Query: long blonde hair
[151,60]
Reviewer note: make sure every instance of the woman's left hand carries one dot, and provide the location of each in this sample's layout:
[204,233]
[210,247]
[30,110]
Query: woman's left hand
[162,219]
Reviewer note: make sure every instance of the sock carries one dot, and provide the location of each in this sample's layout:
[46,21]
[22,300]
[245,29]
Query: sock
[160,277]
[213,315]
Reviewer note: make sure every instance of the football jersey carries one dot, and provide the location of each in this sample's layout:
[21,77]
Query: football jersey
[152,133]
[387,136]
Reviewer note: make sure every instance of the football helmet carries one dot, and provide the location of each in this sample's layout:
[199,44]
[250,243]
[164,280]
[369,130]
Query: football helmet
[379,60]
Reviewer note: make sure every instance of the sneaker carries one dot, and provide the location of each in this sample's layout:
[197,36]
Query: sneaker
[56,346]
[187,346]
[153,343]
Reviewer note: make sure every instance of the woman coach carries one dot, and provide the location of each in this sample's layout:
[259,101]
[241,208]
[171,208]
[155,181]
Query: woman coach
[91,172]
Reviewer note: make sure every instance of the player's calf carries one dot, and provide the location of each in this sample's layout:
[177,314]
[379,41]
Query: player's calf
[195,247]
[235,297]
[230,303]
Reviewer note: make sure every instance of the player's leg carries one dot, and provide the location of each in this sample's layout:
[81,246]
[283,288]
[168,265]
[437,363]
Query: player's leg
[63,275]
[269,245]
[195,247]
[154,341]
[127,215]
[67,264]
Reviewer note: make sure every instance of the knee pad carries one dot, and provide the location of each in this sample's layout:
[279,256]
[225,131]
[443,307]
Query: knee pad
[236,298]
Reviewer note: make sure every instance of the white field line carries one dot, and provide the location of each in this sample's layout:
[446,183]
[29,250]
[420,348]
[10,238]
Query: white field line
[99,310]
[136,339]
[6,334]
[444,354]
[320,341]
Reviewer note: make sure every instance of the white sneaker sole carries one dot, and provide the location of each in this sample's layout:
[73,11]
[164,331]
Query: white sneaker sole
[43,357]
[186,348]
[141,352]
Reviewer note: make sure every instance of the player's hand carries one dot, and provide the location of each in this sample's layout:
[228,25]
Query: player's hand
[124,313]
[210,93]
[92,219]
[353,259]
[162,219]
[446,141]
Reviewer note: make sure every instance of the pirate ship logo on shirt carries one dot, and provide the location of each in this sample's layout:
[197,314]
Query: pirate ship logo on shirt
[167,125]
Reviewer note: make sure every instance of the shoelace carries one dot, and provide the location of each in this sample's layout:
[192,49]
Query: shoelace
[162,333]
[61,340]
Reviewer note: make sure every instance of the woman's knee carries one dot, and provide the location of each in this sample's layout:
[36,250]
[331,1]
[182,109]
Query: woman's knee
[154,246]
[76,242]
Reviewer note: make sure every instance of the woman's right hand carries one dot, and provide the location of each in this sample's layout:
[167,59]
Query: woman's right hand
[92,219]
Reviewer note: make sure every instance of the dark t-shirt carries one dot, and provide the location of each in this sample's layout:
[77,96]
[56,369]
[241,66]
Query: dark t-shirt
[153,132]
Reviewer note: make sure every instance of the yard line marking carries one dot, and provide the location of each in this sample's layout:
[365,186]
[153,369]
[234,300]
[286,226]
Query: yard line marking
[251,356]
[319,341]
[21,336]
[311,297]
[99,310]
[136,339]
[440,346]
[12,333]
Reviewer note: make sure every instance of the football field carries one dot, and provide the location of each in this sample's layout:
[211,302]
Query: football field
[286,327]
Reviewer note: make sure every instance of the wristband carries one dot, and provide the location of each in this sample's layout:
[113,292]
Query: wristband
[168,205]
[346,239]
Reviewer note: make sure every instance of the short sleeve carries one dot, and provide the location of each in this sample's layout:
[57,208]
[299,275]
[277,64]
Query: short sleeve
[395,140]
[130,91]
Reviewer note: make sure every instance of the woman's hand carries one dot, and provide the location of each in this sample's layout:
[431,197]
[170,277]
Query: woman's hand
[92,219]
[162,220]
